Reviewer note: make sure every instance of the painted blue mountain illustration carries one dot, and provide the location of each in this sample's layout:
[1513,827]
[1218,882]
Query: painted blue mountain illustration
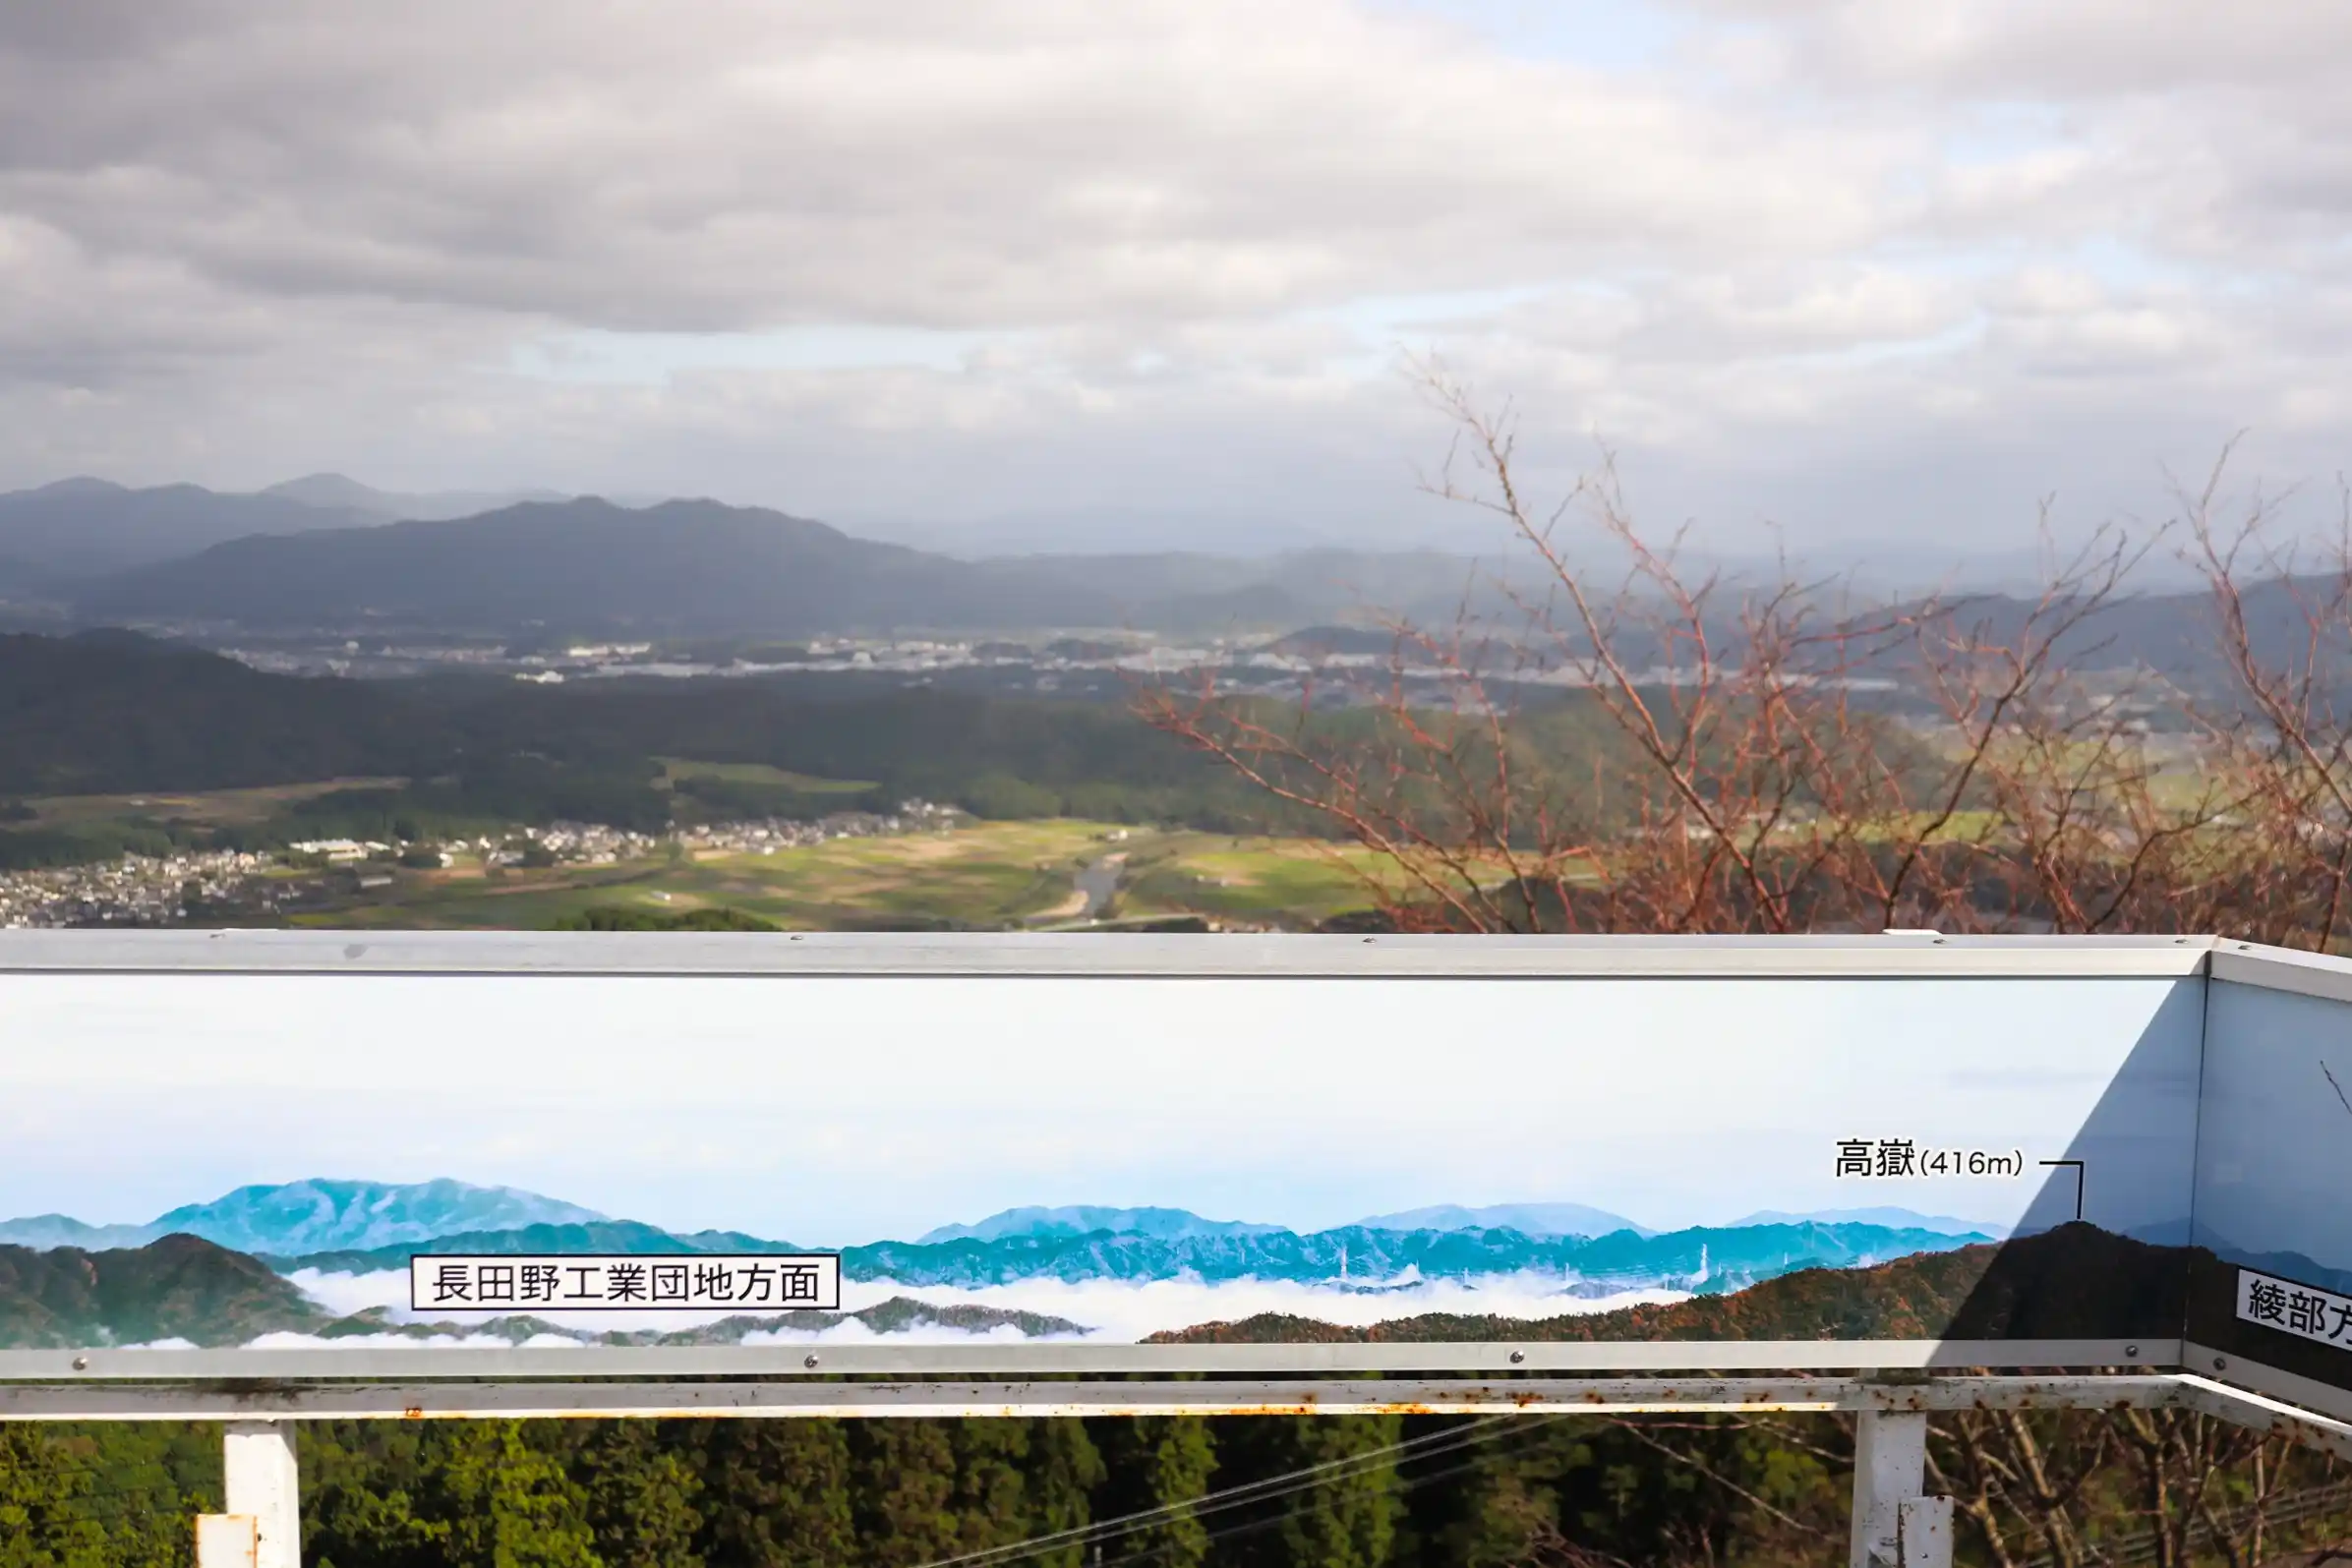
[1361,1258]
[1528,1219]
[1082,1219]
[358,1227]
[315,1215]
[1350,1258]
[1896,1218]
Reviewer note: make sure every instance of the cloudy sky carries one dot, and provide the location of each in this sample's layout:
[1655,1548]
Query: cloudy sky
[1013,270]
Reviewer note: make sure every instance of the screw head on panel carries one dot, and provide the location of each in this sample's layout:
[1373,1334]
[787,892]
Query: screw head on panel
[82,1363]
[2132,1351]
[810,1362]
[2221,1362]
[1518,1357]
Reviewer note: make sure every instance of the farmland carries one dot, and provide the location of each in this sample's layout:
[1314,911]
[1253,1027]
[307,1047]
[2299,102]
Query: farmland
[980,875]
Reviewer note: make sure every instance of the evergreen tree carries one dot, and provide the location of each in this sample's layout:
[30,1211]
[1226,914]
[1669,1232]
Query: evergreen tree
[1065,1471]
[990,1500]
[641,1495]
[500,1502]
[776,1495]
[359,1487]
[903,1492]
[1348,1521]
[1157,1461]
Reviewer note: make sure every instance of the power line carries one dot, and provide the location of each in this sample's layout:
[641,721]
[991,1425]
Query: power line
[1408,1483]
[1268,1489]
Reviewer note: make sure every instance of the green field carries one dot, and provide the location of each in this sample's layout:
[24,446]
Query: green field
[214,808]
[758,773]
[985,875]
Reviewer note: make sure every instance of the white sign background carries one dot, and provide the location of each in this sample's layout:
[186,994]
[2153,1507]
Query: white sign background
[827,1112]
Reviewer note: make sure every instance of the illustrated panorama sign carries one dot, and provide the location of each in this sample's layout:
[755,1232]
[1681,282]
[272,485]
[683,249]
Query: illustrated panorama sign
[2063,1166]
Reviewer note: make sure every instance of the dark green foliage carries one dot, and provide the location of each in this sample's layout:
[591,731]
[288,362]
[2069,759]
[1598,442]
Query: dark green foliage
[1350,1521]
[458,1495]
[896,1493]
[1002,756]
[108,711]
[500,1502]
[1065,1470]
[41,1522]
[904,1489]
[32,848]
[709,798]
[642,1485]
[112,714]
[781,1494]
[104,1496]
[176,1287]
[1154,1462]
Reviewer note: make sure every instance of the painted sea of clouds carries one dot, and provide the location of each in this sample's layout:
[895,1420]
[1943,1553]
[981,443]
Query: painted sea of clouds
[1113,1312]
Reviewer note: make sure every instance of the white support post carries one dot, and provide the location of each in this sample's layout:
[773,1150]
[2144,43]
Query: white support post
[227,1541]
[259,1480]
[1889,1465]
[1926,1526]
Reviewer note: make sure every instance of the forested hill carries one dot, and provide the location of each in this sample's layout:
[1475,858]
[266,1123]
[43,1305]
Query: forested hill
[2074,1282]
[113,713]
[113,710]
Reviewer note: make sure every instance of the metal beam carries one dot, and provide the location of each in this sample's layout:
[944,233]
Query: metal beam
[1084,954]
[2260,1413]
[1245,1396]
[419,1363]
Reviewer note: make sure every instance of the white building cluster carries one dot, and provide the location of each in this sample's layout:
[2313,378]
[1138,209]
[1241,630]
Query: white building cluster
[136,889]
[140,891]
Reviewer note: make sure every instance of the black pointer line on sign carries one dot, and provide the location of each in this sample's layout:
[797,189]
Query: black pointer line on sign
[2338,1087]
[2081,1175]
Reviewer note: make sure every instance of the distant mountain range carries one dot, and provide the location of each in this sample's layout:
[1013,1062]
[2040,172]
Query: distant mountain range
[336,492]
[1159,1223]
[2076,1282]
[219,1274]
[187,1290]
[317,1215]
[325,553]
[328,551]
[353,1227]
[1352,1257]
[1528,1219]
[685,568]
[1698,1259]
[1900,1217]
[80,529]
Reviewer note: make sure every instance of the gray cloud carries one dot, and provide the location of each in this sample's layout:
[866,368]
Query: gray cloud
[1851,266]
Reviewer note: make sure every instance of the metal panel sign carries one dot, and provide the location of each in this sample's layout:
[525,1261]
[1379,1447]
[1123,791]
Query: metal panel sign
[247,1162]
[2274,1264]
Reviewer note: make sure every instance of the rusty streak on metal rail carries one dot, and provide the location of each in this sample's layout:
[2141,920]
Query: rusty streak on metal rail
[1448,1396]
[118,1401]
[1533,1396]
